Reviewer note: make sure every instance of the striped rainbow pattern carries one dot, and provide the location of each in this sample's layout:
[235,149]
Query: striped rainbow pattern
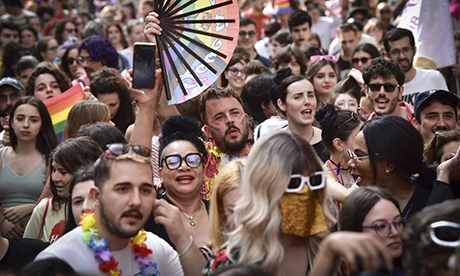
[59,107]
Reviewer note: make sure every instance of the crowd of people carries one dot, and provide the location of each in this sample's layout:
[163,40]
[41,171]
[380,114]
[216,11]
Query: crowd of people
[325,148]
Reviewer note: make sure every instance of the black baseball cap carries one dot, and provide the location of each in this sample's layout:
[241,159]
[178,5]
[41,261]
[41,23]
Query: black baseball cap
[423,98]
[11,82]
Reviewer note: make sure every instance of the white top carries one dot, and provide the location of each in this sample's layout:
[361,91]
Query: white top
[425,79]
[271,124]
[326,28]
[54,222]
[264,48]
[75,252]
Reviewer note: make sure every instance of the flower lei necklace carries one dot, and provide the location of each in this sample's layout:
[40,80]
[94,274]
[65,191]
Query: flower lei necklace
[103,254]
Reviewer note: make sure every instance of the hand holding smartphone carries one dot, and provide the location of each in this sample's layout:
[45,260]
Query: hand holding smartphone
[144,65]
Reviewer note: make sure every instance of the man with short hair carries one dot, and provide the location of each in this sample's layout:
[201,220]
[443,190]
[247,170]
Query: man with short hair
[299,27]
[348,39]
[384,80]
[400,46]
[9,32]
[107,240]
[255,12]
[24,68]
[435,110]
[11,90]
[226,125]
[247,38]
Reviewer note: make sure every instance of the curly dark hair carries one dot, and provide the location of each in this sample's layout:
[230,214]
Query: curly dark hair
[385,68]
[47,68]
[100,49]
[107,81]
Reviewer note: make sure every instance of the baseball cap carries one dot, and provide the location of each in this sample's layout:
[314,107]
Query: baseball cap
[430,95]
[11,82]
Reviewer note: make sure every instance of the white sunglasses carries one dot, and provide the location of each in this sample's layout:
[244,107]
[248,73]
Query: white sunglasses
[315,181]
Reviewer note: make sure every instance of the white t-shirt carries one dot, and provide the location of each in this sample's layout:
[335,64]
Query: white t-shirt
[424,80]
[326,28]
[75,252]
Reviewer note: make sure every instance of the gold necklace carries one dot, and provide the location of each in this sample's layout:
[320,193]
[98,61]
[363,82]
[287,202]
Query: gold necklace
[192,223]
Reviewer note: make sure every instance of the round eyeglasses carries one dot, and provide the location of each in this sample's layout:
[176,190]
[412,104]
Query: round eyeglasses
[383,228]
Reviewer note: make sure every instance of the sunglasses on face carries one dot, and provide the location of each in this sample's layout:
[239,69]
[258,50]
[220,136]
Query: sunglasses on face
[389,87]
[71,60]
[174,161]
[363,60]
[244,34]
[71,31]
[315,181]
[120,149]
[445,233]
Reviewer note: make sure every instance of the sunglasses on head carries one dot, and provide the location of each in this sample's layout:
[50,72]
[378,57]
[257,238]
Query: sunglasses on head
[445,233]
[363,60]
[120,149]
[389,87]
[320,57]
[315,181]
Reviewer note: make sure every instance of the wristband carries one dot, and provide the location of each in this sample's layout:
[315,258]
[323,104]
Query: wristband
[188,247]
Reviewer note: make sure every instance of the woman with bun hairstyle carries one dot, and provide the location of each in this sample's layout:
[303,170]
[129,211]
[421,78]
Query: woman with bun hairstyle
[297,100]
[339,129]
[182,159]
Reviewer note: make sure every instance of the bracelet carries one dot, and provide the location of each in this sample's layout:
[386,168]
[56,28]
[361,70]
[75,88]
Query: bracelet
[188,247]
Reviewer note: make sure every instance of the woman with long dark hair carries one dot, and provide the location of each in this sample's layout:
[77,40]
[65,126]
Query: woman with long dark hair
[24,164]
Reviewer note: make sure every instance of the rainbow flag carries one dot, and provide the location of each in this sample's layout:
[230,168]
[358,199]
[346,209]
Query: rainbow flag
[59,107]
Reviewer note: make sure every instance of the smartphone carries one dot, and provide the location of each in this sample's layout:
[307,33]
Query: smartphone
[144,65]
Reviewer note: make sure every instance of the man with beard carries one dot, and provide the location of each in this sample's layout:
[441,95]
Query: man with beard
[384,80]
[435,110]
[400,46]
[11,90]
[227,126]
[110,239]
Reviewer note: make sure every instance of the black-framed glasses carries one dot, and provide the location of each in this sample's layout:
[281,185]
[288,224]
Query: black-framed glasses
[445,233]
[81,60]
[383,228]
[120,148]
[315,181]
[389,87]
[174,161]
[363,60]
[244,34]
[353,117]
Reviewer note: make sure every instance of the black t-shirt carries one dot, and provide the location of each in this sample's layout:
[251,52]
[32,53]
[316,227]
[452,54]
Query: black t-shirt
[20,253]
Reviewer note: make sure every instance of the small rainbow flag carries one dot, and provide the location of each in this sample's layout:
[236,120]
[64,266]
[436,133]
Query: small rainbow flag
[59,107]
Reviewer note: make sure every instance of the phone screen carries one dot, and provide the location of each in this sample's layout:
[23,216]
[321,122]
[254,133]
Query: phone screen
[144,66]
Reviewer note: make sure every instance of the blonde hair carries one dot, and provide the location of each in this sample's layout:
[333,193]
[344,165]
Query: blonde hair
[228,179]
[270,164]
[85,113]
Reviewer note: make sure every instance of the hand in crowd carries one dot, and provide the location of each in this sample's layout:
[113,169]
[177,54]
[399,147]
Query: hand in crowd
[11,230]
[170,217]
[456,70]
[6,136]
[148,96]
[449,170]
[89,95]
[15,214]
[352,247]
[152,26]
[357,75]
